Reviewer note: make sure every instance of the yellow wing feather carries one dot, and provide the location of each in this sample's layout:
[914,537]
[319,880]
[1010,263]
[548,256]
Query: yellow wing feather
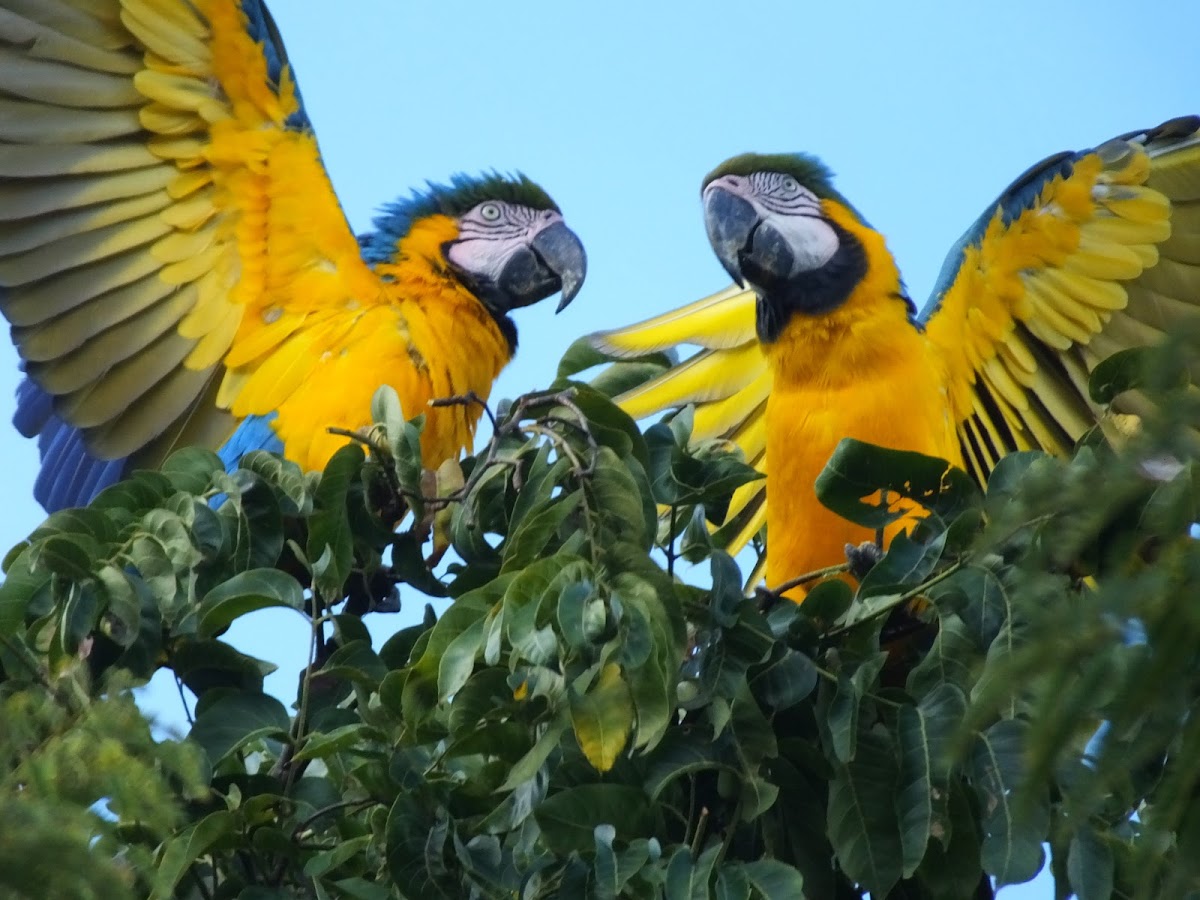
[171,246]
[728,381]
[1101,258]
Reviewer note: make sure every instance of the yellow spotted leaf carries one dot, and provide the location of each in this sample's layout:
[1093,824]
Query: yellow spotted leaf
[603,718]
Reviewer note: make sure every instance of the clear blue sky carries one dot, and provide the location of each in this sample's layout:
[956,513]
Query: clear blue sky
[924,110]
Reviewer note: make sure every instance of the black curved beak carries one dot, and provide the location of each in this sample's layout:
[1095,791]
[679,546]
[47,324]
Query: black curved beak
[730,222]
[749,249]
[562,252]
[554,261]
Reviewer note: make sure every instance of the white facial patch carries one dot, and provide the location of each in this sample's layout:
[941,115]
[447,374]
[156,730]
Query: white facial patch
[491,232]
[812,240]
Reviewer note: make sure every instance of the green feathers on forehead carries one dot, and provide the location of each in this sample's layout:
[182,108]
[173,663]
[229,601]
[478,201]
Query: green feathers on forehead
[464,192]
[808,170]
[454,199]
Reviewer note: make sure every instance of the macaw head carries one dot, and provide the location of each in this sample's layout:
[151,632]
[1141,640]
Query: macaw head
[501,236]
[778,226]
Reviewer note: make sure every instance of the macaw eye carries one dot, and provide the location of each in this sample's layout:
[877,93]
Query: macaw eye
[789,184]
[489,212]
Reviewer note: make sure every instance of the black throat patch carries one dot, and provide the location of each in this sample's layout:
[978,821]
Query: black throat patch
[811,293]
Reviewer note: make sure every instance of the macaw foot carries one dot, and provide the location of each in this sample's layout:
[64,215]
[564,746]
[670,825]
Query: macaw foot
[863,558]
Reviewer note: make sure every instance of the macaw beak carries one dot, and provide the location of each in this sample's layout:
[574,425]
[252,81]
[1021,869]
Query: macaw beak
[553,261]
[730,221]
[750,249]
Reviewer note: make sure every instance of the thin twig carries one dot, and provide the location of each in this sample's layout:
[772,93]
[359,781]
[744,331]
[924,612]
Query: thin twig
[816,575]
[304,824]
[698,836]
[183,700]
[902,599]
[470,398]
[731,827]
[671,541]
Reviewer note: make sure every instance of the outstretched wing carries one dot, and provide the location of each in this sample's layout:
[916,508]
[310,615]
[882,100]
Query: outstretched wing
[166,224]
[728,381]
[1084,255]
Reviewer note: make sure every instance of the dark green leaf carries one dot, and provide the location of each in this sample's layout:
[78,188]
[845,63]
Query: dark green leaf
[774,880]
[183,850]
[204,665]
[191,469]
[330,538]
[568,818]
[863,827]
[1012,846]
[244,593]
[234,720]
[851,481]
[1090,866]
[530,537]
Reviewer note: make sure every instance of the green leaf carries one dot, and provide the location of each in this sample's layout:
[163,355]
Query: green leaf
[610,425]
[862,820]
[247,592]
[852,479]
[828,601]
[458,660]
[846,702]
[322,745]
[727,598]
[183,850]
[682,476]
[679,755]
[568,819]
[784,682]
[191,469]
[321,863]
[688,879]
[234,720]
[69,556]
[204,665]
[530,537]
[925,737]
[907,564]
[1012,847]
[774,880]
[614,495]
[1129,369]
[1090,866]
[602,718]
[580,614]
[529,764]
[914,800]
[951,868]
[732,883]
[330,537]
[285,478]
[953,659]
[356,661]
[581,355]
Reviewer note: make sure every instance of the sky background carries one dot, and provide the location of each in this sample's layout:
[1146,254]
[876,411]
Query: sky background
[925,111]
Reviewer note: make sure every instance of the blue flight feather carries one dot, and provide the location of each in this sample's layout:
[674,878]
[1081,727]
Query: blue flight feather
[253,433]
[70,476]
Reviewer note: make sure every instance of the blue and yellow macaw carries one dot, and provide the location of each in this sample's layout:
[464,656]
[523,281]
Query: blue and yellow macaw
[1085,254]
[177,270]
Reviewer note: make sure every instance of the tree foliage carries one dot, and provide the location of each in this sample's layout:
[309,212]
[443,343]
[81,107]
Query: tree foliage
[581,721]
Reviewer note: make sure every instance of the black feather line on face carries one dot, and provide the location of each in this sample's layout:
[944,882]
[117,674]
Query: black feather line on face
[811,293]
